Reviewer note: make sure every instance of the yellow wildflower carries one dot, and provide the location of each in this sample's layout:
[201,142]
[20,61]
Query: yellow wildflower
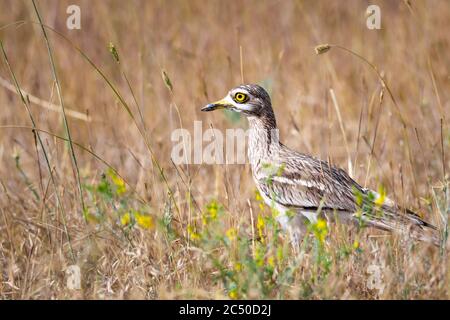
[118,181]
[258,196]
[356,244]
[381,196]
[233,294]
[212,209]
[125,219]
[260,200]
[358,197]
[231,234]
[260,223]
[271,261]
[205,219]
[237,266]
[321,224]
[192,234]
[144,221]
[320,230]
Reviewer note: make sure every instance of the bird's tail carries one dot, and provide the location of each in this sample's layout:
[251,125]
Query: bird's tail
[393,218]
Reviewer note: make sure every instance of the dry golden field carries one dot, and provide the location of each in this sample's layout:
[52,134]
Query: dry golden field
[143,227]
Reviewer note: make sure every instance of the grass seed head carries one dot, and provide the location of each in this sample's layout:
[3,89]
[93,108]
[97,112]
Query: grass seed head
[322,48]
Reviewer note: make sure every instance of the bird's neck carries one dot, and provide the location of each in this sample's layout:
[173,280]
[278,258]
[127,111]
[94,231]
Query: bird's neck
[263,138]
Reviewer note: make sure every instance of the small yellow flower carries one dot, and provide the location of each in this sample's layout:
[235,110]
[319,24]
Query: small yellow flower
[356,244]
[260,200]
[231,234]
[192,234]
[125,219]
[320,230]
[358,197]
[260,262]
[271,261]
[144,221]
[118,182]
[381,196]
[205,219]
[258,196]
[212,210]
[321,224]
[260,223]
[233,294]
[238,266]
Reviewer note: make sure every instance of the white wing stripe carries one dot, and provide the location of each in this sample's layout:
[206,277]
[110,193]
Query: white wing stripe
[305,183]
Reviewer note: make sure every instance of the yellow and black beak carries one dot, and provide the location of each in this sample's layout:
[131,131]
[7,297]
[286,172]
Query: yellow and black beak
[221,104]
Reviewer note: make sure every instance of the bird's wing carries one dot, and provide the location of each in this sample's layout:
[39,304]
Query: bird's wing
[305,182]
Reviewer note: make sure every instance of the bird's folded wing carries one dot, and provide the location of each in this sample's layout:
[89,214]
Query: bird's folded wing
[306,183]
[309,186]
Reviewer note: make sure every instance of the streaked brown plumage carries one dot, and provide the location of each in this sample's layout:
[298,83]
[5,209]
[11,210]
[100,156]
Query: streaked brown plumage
[296,182]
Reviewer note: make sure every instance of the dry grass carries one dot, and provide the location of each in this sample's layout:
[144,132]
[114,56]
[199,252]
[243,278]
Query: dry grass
[199,45]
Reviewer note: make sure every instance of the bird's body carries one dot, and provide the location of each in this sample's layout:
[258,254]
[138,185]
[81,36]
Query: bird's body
[300,184]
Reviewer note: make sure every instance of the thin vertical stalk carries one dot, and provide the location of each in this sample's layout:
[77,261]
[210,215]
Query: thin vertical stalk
[61,102]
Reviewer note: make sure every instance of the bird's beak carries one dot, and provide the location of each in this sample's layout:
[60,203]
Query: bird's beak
[221,104]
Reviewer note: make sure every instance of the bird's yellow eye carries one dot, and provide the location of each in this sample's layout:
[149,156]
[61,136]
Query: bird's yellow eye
[240,97]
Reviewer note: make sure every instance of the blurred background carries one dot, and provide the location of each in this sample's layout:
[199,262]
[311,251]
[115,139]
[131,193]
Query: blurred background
[205,48]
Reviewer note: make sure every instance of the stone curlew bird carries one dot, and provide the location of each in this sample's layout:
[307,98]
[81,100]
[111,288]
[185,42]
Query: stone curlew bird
[301,187]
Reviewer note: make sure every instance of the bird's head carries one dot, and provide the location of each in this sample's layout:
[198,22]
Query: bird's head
[249,99]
